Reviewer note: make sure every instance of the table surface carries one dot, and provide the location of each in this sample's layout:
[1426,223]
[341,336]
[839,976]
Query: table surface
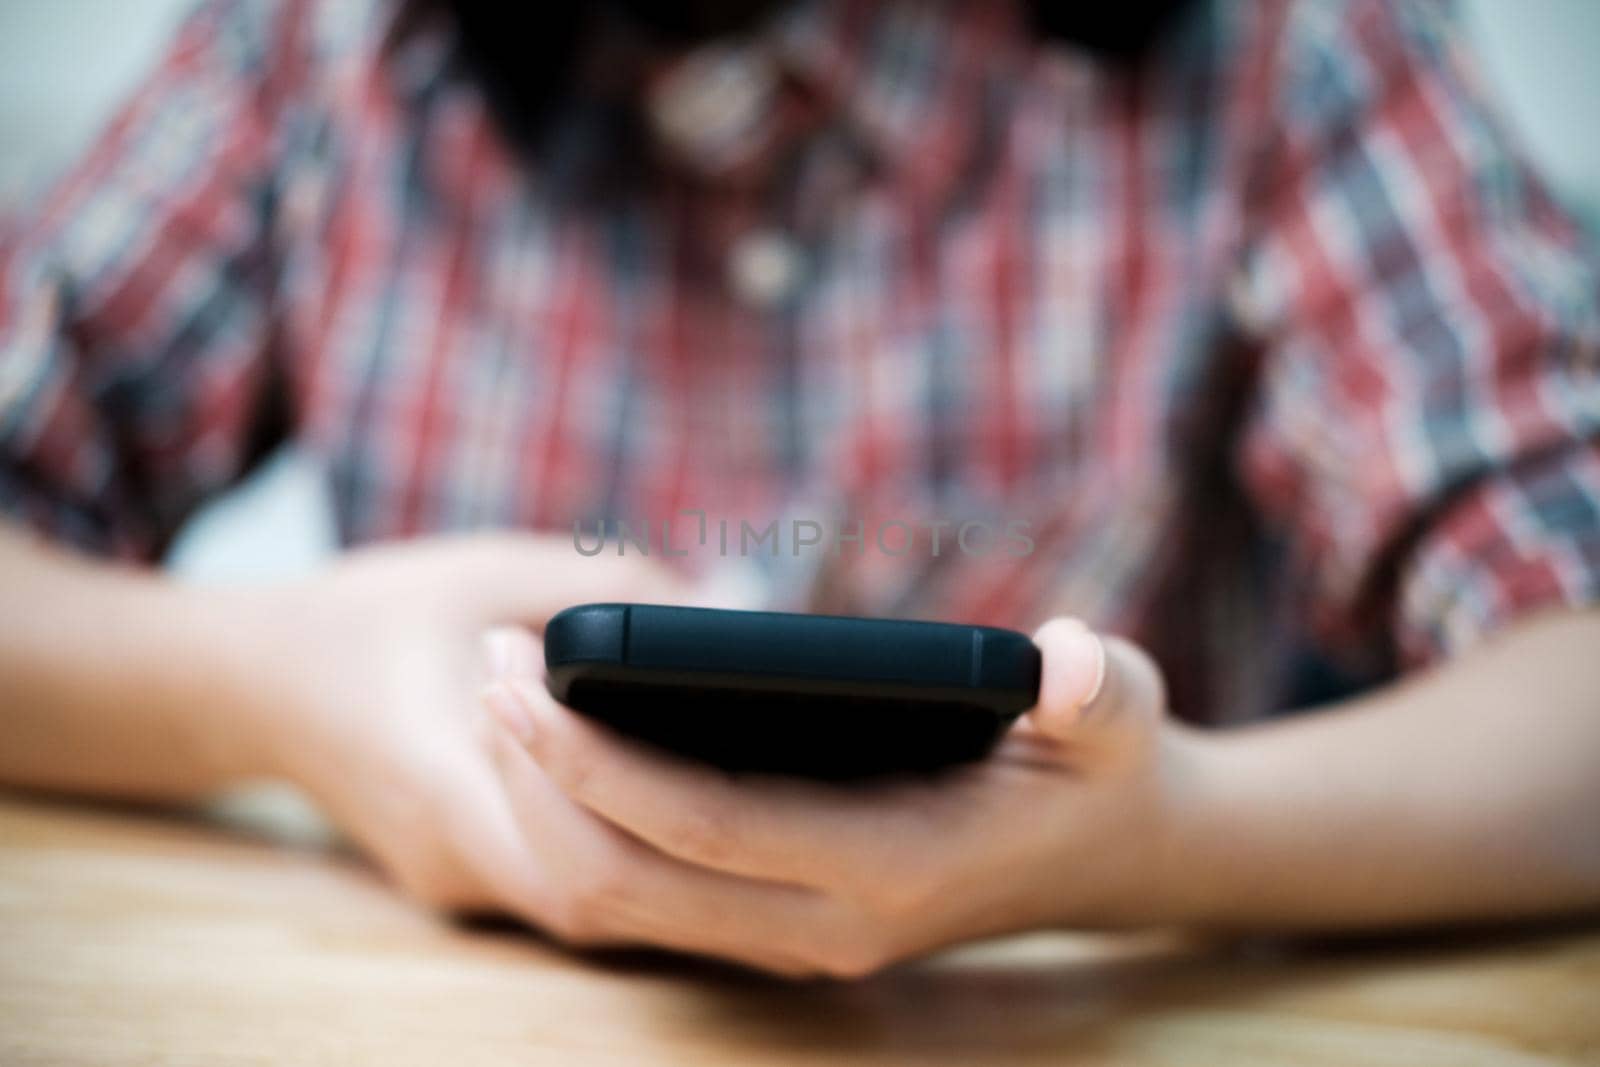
[154,938]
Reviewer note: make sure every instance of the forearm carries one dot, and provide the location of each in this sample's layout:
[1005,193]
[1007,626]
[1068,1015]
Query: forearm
[119,682]
[1472,792]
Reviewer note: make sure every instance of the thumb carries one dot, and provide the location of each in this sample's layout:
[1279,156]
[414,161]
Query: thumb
[512,652]
[1100,692]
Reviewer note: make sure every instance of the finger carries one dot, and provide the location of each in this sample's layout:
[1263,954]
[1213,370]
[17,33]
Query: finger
[1093,691]
[523,578]
[484,836]
[775,829]
[614,889]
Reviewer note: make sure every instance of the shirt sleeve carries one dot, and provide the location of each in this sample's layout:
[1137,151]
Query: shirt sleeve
[1425,436]
[136,302]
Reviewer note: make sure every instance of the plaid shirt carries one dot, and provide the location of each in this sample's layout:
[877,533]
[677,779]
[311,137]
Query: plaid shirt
[1276,346]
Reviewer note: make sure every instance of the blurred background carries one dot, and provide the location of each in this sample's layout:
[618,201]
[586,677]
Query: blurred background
[64,64]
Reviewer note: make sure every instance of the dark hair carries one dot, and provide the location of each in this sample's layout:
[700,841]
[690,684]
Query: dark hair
[527,58]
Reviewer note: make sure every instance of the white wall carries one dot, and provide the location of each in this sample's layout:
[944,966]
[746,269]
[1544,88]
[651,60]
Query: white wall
[1543,58]
[64,63]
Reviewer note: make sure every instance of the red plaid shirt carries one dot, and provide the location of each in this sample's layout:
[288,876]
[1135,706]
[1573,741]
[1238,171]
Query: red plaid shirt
[1277,348]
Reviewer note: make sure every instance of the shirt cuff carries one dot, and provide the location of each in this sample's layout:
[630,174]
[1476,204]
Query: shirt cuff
[1516,543]
[59,521]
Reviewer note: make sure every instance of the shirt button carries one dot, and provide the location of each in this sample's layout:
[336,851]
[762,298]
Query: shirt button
[764,268]
[714,108]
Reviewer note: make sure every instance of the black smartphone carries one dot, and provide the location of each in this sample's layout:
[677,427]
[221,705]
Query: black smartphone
[819,696]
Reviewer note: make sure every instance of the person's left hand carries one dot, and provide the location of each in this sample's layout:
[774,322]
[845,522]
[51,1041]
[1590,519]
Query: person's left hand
[1067,822]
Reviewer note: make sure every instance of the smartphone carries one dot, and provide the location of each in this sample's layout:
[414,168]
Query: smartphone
[817,696]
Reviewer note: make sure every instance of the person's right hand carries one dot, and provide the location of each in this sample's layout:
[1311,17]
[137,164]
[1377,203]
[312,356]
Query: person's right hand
[365,684]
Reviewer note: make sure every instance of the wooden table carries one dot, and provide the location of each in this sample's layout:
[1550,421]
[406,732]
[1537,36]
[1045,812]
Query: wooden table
[156,939]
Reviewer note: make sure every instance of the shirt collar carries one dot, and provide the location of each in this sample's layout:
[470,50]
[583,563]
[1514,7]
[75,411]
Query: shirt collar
[910,82]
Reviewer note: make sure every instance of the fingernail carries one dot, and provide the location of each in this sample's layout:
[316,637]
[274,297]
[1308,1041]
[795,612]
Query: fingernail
[511,709]
[499,653]
[1086,657]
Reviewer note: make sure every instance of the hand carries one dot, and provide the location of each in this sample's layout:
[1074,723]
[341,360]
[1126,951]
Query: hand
[366,681]
[1068,822]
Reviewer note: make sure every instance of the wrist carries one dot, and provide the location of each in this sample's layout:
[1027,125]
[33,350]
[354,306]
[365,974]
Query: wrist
[1152,868]
[1238,821]
[1190,865]
[240,686]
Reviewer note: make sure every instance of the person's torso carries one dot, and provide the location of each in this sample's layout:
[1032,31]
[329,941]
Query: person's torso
[1012,338]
